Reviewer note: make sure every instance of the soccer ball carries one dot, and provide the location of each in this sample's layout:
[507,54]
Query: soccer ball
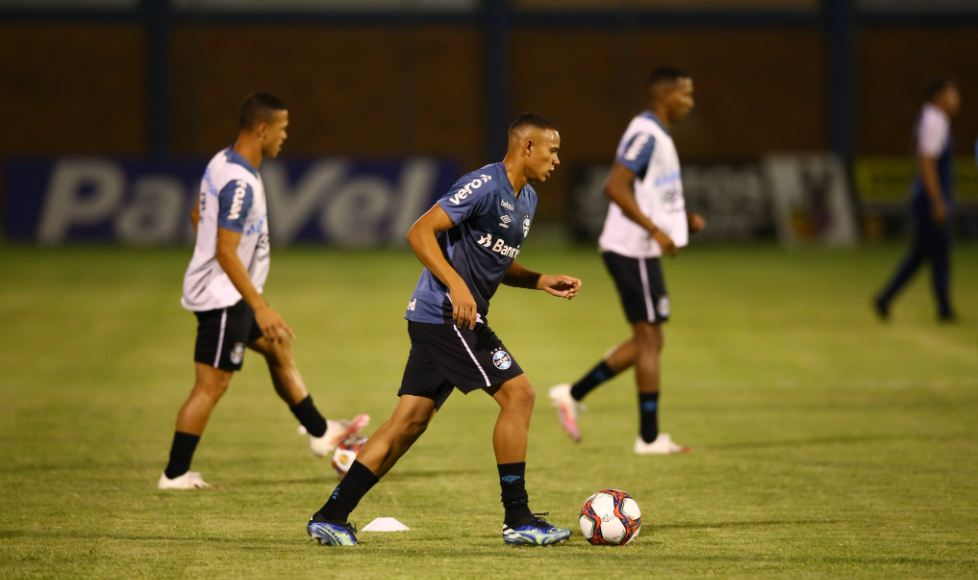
[346,453]
[610,518]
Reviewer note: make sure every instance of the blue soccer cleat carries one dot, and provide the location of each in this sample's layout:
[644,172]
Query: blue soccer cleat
[332,534]
[537,532]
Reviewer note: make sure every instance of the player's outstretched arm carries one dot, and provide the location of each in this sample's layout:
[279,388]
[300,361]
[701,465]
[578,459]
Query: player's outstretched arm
[618,189]
[272,326]
[423,240]
[558,285]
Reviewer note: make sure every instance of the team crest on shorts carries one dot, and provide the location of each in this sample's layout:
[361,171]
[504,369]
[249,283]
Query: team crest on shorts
[526,225]
[664,306]
[237,353]
[502,360]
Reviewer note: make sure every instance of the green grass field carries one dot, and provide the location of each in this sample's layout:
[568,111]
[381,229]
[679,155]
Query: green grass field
[826,444]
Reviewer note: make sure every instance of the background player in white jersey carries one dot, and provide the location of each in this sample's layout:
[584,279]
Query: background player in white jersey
[223,288]
[647,218]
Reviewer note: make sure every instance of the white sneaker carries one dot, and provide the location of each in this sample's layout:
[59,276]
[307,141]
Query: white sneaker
[189,480]
[662,445]
[336,431]
[567,409]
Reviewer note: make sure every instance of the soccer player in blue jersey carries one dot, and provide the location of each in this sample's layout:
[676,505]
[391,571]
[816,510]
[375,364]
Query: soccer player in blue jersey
[931,201]
[468,243]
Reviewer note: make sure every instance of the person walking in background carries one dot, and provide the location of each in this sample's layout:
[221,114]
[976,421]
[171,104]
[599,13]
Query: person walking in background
[931,200]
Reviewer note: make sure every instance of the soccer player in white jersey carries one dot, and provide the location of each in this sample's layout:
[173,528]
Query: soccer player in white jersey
[223,287]
[647,218]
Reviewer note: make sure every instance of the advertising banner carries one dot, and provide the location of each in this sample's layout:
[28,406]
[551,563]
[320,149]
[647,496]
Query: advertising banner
[337,201]
[731,197]
[885,181]
[811,200]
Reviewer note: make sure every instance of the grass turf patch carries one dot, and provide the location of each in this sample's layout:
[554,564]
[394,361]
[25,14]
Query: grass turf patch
[826,444]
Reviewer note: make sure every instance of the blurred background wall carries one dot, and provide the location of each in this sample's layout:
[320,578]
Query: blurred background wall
[387,79]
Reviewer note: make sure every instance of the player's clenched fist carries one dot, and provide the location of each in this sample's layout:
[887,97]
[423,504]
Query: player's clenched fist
[560,286]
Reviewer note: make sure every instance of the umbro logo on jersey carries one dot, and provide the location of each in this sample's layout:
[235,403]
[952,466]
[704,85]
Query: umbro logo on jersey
[499,247]
[507,205]
[239,195]
[505,219]
[465,191]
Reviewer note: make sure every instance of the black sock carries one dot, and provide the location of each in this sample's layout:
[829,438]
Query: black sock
[358,481]
[648,409]
[307,414]
[512,478]
[595,377]
[181,454]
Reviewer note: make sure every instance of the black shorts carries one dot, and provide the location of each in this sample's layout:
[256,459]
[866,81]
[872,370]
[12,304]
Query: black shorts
[444,356]
[222,336]
[641,287]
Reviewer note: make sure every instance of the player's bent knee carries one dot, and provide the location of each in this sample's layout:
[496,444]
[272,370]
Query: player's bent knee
[516,394]
[214,388]
[212,381]
[278,353]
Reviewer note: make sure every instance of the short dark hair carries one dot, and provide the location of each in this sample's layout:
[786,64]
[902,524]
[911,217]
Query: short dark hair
[665,74]
[532,120]
[937,84]
[258,108]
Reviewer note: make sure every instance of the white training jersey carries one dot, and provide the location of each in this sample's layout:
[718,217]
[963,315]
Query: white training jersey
[933,131]
[648,150]
[232,196]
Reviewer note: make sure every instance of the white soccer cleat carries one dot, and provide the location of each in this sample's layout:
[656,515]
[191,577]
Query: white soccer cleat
[336,431]
[662,445]
[567,409]
[189,480]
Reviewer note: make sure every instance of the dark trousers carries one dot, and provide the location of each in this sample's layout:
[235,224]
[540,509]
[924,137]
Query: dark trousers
[930,242]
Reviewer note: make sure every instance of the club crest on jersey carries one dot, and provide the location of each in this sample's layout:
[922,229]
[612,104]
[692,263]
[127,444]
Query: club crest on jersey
[502,360]
[237,353]
[526,225]
[412,304]
[464,192]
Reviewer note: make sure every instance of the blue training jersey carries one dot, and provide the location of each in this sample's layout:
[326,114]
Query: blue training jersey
[491,222]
